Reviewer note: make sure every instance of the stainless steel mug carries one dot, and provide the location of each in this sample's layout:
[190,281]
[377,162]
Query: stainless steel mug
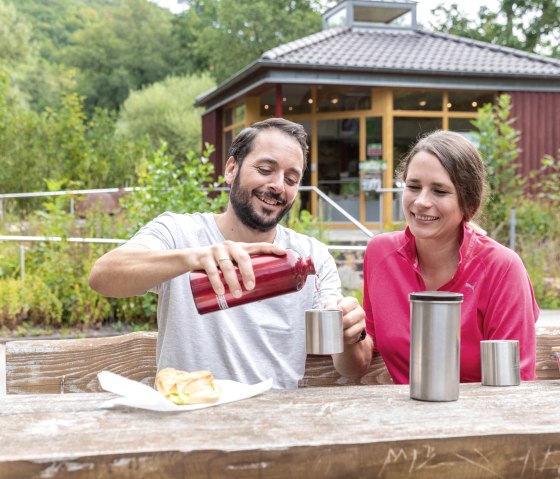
[324,331]
[499,362]
[435,340]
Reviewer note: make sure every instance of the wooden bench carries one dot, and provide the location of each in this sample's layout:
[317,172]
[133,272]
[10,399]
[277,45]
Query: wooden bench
[71,365]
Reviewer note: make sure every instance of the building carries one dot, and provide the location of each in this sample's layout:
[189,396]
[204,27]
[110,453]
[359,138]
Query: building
[367,86]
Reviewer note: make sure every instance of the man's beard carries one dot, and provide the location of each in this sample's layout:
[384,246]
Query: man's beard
[241,202]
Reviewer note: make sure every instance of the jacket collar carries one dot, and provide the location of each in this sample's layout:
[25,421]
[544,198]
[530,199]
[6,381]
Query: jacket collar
[408,249]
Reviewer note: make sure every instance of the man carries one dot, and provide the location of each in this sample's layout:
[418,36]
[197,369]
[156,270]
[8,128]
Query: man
[255,341]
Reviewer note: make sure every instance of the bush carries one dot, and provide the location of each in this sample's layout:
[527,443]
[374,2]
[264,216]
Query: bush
[35,303]
[498,145]
[164,111]
[536,201]
[57,271]
[164,185]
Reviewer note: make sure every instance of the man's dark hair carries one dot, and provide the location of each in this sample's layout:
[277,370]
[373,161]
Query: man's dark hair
[243,143]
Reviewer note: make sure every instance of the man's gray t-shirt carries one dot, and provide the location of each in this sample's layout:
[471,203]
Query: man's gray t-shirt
[247,343]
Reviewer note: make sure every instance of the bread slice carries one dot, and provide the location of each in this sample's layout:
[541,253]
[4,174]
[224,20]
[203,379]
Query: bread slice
[182,387]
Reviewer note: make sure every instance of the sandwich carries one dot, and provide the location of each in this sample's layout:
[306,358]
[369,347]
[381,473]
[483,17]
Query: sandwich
[182,387]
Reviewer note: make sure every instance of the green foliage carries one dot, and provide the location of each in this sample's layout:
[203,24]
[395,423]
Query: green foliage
[531,25]
[9,264]
[247,27]
[538,243]
[545,181]
[57,271]
[56,290]
[536,202]
[164,111]
[355,293]
[15,41]
[63,144]
[113,158]
[498,146]
[303,221]
[34,81]
[35,303]
[165,185]
[54,21]
[538,230]
[127,47]
[24,162]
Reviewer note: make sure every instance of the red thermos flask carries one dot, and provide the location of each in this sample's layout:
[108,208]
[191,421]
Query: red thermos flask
[274,275]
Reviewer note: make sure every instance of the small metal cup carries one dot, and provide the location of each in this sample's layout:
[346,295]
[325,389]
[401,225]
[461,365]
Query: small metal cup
[499,360]
[324,331]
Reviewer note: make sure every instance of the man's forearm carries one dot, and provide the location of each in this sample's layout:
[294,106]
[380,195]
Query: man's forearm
[355,360]
[129,271]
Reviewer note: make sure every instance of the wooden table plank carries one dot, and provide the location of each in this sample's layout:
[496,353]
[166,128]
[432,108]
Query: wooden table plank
[353,431]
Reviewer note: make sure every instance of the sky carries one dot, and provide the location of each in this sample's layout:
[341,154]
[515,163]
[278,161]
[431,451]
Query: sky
[423,7]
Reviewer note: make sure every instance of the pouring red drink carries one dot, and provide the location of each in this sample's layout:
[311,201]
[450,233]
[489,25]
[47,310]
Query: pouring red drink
[274,276]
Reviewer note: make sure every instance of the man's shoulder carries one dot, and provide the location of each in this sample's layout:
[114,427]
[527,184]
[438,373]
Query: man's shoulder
[288,238]
[186,222]
[182,230]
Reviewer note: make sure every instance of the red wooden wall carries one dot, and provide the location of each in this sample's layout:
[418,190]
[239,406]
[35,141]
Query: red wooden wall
[212,133]
[537,116]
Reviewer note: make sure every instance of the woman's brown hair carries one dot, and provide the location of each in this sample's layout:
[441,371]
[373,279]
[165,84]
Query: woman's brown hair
[463,163]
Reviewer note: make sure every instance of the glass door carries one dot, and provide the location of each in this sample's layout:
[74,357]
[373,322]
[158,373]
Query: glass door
[338,145]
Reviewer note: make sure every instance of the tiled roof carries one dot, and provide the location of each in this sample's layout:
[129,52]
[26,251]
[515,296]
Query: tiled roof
[413,51]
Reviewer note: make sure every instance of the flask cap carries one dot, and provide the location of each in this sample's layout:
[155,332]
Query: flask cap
[437,296]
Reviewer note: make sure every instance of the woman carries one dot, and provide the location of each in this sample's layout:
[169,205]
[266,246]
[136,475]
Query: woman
[445,185]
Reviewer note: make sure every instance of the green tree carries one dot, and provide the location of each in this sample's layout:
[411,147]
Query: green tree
[166,186]
[536,202]
[531,25]
[127,48]
[34,81]
[165,111]
[499,148]
[15,36]
[223,36]
[62,144]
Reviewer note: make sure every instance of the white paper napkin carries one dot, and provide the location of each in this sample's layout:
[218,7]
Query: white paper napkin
[138,395]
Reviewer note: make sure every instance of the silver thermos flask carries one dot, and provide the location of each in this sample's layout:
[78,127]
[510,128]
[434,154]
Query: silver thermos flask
[435,340]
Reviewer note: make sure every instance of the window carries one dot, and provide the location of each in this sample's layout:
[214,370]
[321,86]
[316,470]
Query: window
[337,98]
[407,131]
[466,128]
[234,115]
[338,144]
[296,99]
[468,100]
[425,100]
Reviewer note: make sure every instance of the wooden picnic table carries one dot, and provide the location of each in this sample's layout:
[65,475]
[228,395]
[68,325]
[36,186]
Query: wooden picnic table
[332,432]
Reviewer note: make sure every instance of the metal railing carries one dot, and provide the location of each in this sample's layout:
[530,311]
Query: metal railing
[73,193]
[342,211]
[39,194]
[118,241]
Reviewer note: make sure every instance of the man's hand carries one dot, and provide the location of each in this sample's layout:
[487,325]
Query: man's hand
[358,346]
[224,257]
[353,318]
